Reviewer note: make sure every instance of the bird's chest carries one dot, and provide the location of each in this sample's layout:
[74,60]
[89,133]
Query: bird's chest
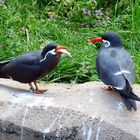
[109,54]
[113,53]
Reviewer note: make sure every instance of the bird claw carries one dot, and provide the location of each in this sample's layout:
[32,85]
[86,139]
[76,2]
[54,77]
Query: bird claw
[39,91]
[108,88]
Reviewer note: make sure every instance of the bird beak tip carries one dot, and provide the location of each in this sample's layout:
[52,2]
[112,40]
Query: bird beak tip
[69,55]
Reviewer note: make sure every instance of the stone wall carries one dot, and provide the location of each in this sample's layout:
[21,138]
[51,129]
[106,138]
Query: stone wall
[65,112]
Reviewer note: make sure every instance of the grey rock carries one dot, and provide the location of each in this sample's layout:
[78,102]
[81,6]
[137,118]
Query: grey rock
[1,1]
[65,112]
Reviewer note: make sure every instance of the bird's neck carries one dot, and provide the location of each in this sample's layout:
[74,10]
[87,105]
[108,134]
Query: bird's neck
[50,62]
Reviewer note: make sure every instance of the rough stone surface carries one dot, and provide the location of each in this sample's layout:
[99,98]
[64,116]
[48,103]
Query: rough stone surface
[1,2]
[65,112]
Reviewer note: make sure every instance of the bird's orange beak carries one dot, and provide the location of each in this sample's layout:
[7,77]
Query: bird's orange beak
[62,50]
[60,47]
[96,40]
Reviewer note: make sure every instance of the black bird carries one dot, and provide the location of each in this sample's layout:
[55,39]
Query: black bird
[32,66]
[115,67]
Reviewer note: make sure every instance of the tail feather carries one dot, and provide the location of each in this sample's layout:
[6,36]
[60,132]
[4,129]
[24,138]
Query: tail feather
[2,63]
[133,96]
[2,73]
[127,92]
[129,103]
[129,97]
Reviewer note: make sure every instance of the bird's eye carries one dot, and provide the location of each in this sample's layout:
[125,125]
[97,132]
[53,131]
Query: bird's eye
[106,43]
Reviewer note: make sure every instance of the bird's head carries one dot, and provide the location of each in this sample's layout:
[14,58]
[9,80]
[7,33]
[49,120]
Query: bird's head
[109,39]
[55,50]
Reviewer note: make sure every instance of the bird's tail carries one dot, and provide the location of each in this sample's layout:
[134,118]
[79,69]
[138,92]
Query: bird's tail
[129,97]
[129,103]
[129,93]
[2,73]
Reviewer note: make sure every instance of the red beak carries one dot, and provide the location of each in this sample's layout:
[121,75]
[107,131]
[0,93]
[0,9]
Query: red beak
[96,40]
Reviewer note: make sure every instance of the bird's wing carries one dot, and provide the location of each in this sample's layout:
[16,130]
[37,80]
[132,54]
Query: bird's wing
[111,70]
[24,66]
[126,63]
[21,61]
[25,58]
[3,63]
[28,58]
[6,62]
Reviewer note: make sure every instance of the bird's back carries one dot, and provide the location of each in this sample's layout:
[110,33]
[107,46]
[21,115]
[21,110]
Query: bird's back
[111,62]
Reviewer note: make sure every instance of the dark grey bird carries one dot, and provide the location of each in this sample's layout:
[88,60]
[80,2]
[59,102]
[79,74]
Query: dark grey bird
[115,67]
[32,66]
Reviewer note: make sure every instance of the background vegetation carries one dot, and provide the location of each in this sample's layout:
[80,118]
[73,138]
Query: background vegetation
[29,24]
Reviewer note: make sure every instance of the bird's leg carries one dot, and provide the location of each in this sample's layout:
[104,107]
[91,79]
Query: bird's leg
[109,88]
[31,87]
[37,90]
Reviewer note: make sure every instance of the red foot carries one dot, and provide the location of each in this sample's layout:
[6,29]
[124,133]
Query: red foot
[40,91]
[107,88]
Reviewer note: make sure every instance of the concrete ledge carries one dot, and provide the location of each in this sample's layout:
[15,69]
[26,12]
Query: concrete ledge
[65,111]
